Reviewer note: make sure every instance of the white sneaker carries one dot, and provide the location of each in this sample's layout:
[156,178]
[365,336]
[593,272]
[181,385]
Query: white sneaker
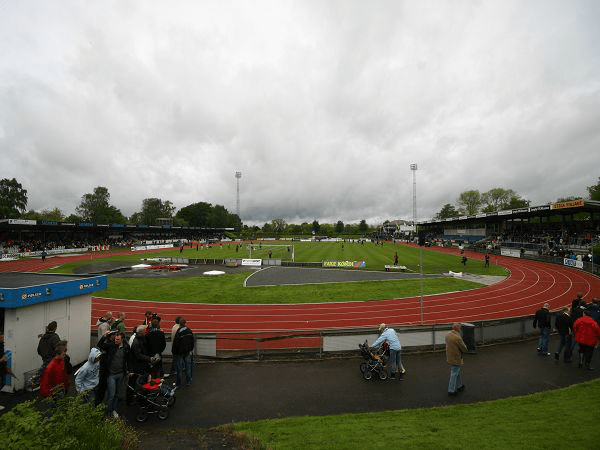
[2,407]
[115,415]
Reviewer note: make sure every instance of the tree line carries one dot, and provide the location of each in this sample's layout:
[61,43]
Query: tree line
[95,207]
[497,199]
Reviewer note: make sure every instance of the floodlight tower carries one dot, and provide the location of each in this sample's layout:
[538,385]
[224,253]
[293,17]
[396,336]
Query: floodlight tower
[413,167]
[238,175]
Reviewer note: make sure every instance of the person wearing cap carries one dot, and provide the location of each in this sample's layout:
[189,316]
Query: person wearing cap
[455,347]
[389,335]
[542,319]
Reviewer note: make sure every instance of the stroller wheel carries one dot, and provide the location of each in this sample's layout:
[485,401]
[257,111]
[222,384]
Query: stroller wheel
[171,400]
[163,413]
[142,415]
[367,374]
[382,374]
[363,367]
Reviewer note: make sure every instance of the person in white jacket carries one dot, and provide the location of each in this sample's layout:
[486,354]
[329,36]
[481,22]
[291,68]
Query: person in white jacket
[389,335]
[88,375]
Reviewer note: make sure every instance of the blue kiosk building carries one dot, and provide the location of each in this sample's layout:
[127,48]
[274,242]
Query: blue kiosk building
[29,302]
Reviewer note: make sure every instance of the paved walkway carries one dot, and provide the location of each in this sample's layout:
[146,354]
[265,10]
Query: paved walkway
[225,392]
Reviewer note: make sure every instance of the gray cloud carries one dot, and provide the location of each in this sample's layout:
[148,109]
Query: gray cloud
[322,105]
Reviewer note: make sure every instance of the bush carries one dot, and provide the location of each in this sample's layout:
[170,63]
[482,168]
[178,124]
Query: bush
[67,424]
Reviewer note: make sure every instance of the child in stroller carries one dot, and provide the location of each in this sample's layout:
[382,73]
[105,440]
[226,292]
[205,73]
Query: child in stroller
[373,362]
[153,397]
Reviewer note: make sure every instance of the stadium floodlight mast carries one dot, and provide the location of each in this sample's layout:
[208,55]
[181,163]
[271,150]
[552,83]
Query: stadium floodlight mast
[413,167]
[238,175]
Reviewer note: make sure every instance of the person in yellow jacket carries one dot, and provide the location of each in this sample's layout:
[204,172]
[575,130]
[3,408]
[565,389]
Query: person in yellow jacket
[455,347]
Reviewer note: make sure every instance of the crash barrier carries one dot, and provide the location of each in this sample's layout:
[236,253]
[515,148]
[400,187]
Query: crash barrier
[325,343]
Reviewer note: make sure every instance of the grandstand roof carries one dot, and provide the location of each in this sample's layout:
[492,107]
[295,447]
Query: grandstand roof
[560,208]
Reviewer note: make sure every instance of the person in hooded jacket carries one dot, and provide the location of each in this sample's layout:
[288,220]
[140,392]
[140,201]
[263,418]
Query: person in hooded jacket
[88,375]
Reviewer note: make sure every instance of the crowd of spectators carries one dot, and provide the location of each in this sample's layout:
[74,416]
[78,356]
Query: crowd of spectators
[8,246]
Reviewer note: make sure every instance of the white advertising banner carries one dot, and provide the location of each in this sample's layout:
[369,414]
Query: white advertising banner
[252,262]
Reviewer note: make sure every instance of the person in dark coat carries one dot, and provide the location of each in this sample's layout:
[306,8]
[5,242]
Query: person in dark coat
[564,326]
[156,343]
[139,361]
[47,344]
[543,321]
[117,360]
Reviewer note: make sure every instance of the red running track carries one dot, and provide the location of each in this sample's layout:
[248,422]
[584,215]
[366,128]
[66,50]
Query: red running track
[530,285]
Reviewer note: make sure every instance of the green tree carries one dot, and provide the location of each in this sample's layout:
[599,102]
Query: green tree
[153,209]
[203,214]
[496,199]
[517,202]
[196,214]
[594,191]
[446,212]
[279,225]
[316,227]
[363,227]
[339,227]
[73,219]
[470,201]
[96,208]
[13,199]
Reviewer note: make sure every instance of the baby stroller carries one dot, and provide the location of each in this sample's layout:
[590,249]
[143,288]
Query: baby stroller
[153,397]
[372,363]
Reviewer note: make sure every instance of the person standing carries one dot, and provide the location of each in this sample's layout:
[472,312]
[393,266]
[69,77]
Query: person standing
[3,368]
[87,376]
[119,324]
[564,325]
[389,335]
[455,347]
[104,324]
[183,352]
[156,343]
[139,361]
[587,334]
[47,344]
[173,331]
[55,381]
[396,259]
[542,319]
[117,355]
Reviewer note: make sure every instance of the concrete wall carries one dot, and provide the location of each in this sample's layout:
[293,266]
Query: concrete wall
[23,325]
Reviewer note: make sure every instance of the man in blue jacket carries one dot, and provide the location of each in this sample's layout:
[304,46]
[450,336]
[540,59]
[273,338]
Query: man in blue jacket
[389,335]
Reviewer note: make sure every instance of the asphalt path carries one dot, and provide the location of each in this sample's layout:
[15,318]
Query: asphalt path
[224,392]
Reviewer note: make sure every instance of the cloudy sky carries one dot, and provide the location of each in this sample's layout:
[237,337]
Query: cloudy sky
[322,105]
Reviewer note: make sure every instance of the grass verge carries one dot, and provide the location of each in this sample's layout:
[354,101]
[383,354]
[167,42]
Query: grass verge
[517,422]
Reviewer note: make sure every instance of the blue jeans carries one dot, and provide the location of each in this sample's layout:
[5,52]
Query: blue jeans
[113,382]
[395,361]
[455,379]
[544,338]
[565,342]
[183,363]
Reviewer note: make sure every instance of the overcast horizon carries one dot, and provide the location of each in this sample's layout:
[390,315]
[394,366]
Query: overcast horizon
[323,106]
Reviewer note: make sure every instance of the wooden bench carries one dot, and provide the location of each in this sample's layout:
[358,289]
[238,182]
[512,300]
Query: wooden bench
[402,268]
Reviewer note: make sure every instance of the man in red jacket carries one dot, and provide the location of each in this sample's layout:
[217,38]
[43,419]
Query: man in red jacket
[587,334]
[55,381]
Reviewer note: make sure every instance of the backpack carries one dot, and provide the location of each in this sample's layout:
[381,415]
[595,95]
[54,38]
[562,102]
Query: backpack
[184,341]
